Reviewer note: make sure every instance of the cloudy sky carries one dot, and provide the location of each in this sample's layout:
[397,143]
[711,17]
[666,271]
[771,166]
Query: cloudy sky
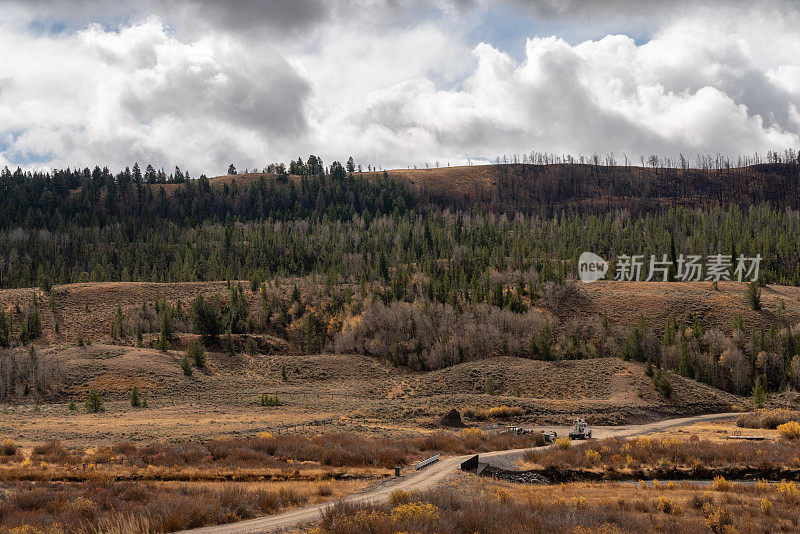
[201,83]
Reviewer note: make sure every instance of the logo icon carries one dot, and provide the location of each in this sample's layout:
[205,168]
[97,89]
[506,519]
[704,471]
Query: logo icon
[591,267]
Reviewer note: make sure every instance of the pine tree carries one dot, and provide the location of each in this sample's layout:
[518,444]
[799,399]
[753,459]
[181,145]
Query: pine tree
[759,392]
[684,366]
[5,328]
[673,258]
[94,402]
[186,366]
[136,399]
[196,353]
[753,295]
[33,323]
[119,321]
[669,332]
[383,267]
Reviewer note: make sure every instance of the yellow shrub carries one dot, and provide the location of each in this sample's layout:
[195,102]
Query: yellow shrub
[502,495]
[718,518]
[665,505]
[790,430]
[501,412]
[266,435]
[592,457]
[562,443]
[415,512]
[789,491]
[473,432]
[720,484]
[766,506]
[580,502]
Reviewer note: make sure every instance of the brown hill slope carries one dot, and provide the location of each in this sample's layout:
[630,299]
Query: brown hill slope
[622,302]
[580,187]
[525,187]
[330,393]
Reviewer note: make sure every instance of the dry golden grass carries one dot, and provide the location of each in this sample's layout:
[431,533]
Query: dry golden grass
[264,457]
[625,456]
[105,505]
[471,504]
[713,431]
[495,412]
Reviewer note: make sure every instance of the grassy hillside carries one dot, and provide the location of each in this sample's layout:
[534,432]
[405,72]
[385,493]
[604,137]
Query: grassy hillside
[354,391]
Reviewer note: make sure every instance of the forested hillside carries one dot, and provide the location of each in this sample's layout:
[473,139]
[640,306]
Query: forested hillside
[455,225]
[423,268]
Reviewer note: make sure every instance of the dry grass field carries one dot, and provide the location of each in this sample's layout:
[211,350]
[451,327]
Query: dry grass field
[105,505]
[470,504]
[331,393]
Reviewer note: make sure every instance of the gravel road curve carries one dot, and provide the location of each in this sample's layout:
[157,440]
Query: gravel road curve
[430,476]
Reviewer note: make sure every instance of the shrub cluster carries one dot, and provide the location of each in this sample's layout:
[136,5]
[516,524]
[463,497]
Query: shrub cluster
[767,418]
[619,453]
[495,412]
[92,507]
[336,449]
[430,335]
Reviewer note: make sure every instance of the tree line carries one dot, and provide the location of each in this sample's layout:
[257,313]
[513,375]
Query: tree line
[457,252]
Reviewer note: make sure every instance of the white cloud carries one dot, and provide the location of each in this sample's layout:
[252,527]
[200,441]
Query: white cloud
[358,82]
[113,97]
[698,86]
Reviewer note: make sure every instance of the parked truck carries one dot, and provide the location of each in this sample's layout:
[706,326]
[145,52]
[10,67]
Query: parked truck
[580,430]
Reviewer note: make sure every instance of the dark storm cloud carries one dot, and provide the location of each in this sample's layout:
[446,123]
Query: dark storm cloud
[229,90]
[277,16]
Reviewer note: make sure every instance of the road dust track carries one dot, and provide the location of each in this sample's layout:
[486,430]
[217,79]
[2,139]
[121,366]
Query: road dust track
[427,477]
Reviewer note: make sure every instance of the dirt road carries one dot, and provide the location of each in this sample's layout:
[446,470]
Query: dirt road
[429,476]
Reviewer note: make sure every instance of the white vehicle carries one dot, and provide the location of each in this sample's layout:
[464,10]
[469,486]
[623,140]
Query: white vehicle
[580,430]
